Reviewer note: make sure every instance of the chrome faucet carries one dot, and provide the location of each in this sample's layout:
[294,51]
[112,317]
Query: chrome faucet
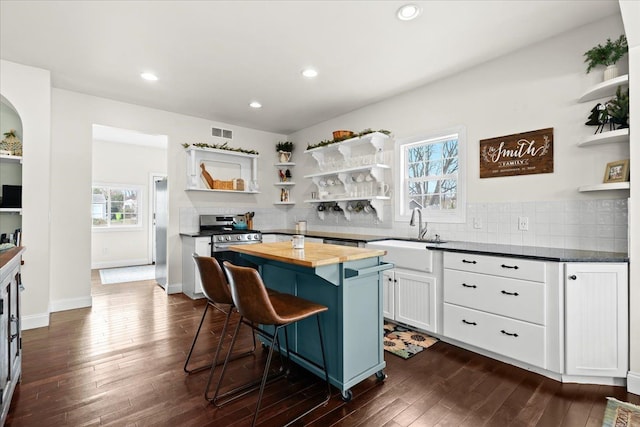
[422,229]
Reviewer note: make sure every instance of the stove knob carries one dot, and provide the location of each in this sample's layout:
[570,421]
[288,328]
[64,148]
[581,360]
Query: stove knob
[256,237]
[219,238]
[227,238]
[238,237]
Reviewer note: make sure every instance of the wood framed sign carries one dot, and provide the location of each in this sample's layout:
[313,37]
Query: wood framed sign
[518,154]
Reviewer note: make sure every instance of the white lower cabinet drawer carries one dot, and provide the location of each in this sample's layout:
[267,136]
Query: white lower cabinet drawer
[514,298]
[512,338]
[516,268]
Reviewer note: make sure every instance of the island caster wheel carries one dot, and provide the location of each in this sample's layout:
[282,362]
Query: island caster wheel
[347,395]
[381,376]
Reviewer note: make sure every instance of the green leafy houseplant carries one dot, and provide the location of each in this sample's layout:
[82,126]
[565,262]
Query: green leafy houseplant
[618,108]
[286,146]
[606,55]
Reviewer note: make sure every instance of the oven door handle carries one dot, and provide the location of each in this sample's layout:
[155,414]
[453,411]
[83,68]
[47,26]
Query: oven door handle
[225,246]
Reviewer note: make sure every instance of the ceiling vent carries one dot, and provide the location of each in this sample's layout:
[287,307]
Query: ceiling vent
[222,133]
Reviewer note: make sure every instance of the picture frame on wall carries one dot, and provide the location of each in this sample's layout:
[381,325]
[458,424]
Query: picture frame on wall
[617,171]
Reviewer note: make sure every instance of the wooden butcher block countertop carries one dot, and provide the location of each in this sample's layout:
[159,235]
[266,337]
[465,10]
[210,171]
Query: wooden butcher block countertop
[313,254]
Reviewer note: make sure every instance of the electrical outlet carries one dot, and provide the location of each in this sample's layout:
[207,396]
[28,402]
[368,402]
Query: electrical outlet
[477,223]
[523,223]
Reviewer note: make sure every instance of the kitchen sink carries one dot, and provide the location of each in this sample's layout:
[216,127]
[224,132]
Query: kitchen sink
[406,254]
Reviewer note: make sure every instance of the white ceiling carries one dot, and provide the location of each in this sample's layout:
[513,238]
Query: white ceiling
[214,57]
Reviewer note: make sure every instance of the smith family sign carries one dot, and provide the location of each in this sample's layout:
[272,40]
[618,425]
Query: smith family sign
[519,154]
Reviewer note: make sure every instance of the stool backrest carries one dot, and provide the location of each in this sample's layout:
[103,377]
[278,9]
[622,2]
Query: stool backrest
[214,284]
[250,295]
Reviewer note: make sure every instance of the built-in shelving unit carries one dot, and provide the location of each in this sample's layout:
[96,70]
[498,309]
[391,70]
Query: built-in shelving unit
[286,185]
[5,158]
[350,171]
[601,90]
[223,165]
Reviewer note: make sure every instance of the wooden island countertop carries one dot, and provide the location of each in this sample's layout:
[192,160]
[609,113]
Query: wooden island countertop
[313,254]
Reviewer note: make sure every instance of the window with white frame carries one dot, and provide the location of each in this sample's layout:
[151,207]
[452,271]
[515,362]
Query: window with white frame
[116,206]
[431,176]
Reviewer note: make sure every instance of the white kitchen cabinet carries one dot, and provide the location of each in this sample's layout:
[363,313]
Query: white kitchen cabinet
[10,329]
[498,304]
[411,295]
[415,299]
[596,319]
[191,283]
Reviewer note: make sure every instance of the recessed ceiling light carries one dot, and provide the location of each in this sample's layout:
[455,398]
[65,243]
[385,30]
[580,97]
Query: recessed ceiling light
[309,73]
[408,12]
[255,104]
[149,76]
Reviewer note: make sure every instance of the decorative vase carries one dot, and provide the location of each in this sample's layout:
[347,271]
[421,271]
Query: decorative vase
[611,72]
[285,156]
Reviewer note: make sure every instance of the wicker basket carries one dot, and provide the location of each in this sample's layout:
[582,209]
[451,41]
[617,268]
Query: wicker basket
[222,185]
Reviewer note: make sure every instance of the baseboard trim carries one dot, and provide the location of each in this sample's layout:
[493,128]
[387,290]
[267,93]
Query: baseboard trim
[119,263]
[176,288]
[633,382]
[70,304]
[34,321]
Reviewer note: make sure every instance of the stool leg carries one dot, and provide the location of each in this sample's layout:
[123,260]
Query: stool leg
[265,375]
[224,368]
[324,359]
[193,344]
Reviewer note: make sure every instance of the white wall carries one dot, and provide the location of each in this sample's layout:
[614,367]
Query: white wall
[128,164]
[74,115]
[28,89]
[535,88]
[631,16]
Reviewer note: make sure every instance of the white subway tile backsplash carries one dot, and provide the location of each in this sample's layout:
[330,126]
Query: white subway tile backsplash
[574,224]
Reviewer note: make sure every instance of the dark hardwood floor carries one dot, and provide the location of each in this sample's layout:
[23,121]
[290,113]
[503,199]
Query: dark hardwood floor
[120,363]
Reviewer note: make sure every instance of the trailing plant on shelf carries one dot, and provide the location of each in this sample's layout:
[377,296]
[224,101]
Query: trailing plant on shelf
[286,146]
[326,142]
[606,55]
[224,146]
[618,108]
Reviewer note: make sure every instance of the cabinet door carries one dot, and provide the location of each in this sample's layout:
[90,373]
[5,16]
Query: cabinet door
[388,300]
[203,248]
[596,319]
[4,340]
[415,297]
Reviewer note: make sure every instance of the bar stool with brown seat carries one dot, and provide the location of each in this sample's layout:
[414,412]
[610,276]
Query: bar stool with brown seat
[258,307]
[216,290]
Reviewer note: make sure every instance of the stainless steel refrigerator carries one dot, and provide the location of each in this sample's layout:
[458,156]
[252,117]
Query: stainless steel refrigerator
[161,217]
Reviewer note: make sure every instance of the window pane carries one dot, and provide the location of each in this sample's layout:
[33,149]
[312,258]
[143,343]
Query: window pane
[115,207]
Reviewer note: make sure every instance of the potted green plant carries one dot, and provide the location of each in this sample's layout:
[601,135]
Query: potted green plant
[285,149]
[607,55]
[618,109]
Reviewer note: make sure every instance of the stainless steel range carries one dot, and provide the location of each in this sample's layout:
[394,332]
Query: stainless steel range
[223,234]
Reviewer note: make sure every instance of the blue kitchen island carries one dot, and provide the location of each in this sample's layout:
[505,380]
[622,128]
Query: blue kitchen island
[348,280]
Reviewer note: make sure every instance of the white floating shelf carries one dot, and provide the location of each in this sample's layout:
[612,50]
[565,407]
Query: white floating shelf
[610,137]
[606,88]
[5,158]
[347,199]
[284,184]
[605,187]
[284,203]
[284,164]
[361,168]
[222,191]
[11,210]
